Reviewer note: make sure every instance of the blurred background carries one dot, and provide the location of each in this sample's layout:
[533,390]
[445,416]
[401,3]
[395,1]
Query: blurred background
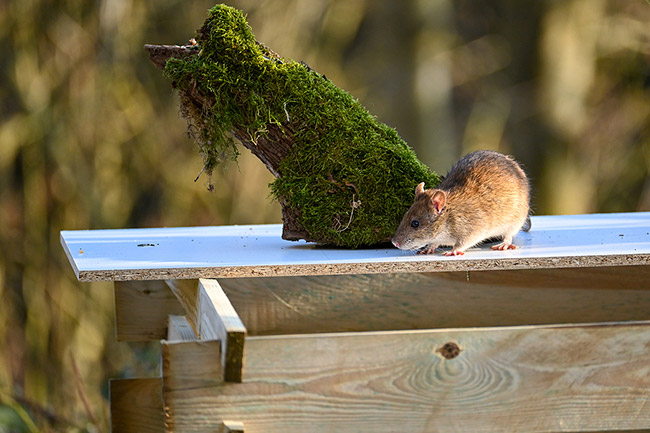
[91,137]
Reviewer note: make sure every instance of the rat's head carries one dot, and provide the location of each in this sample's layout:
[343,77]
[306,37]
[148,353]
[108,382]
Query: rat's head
[421,224]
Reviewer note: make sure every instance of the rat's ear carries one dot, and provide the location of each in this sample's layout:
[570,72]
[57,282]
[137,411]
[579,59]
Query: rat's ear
[438,200]
[419,189]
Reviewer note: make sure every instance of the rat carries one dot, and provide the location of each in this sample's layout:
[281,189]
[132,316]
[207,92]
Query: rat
[485,195]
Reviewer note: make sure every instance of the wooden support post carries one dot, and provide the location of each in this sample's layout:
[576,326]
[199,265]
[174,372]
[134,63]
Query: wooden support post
[142,309]
[136,405]
[214,318]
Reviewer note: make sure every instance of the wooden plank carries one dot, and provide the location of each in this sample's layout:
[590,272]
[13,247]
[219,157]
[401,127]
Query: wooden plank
[142,309]
[213,317]
[611,278]
[136,405]
[519,379]
[219,321]
[188,365]
[179,329]
[343,303]
[562,241]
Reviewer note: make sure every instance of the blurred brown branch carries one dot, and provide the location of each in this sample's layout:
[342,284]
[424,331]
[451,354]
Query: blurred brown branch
[159,54]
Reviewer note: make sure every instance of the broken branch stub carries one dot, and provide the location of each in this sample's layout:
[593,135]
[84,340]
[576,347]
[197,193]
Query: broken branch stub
[342,177]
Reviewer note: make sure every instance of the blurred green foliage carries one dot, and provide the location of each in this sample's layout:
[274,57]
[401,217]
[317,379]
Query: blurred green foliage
[91,137]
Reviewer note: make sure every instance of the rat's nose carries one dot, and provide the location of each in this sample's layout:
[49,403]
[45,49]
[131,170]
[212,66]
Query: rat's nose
[395,243]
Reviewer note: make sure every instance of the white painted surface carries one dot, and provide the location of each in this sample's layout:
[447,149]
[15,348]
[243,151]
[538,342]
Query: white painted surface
[225,251]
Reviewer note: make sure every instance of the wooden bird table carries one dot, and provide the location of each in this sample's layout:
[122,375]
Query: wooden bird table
[259,334]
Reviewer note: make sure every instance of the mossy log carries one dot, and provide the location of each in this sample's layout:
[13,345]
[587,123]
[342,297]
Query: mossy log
[342,177]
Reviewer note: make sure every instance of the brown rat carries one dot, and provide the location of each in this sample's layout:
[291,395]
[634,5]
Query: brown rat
[485,195]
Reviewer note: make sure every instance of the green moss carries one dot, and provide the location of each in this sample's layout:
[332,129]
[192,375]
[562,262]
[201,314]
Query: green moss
[349,177]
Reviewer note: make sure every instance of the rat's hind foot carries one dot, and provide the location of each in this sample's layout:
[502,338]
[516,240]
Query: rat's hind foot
[504,246]
[453,253]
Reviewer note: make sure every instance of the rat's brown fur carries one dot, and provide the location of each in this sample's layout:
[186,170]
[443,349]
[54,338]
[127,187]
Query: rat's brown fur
[485,195]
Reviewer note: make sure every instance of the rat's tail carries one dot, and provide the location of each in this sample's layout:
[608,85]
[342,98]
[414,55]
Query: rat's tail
[527,224]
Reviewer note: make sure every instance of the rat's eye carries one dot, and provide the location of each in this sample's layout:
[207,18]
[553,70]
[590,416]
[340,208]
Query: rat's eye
[415,224]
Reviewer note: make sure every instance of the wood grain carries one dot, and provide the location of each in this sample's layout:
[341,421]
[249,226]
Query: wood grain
[300,305]
[612,278]
[179,329]
[136,405]
[142,309]
[211,314]
[520,379]
[187,366]
[219,321]
[190,364]
[187,293]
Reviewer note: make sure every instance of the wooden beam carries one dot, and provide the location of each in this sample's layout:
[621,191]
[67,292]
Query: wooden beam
[142,309]
[343,303]
[532,379]
[214,318]
[136,405]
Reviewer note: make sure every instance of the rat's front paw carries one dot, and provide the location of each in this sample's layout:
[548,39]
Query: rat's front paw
[427,250]
[453,253]
[504,246]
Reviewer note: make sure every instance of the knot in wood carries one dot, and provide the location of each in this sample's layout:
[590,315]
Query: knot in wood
[449,350]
